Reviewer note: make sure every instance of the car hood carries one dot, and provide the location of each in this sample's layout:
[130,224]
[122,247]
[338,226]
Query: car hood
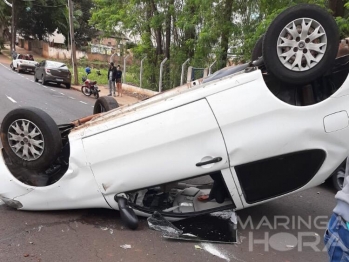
[163,102]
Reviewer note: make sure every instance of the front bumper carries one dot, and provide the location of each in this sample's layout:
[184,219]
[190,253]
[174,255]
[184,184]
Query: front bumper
[10,187]
[76,189]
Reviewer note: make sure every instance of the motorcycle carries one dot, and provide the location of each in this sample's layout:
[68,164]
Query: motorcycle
[90,87]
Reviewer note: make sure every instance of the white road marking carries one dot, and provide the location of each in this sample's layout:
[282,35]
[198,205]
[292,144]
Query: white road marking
[62,93]
[32,81]
[52,89]
[83,102]
[71,97]
[11,99]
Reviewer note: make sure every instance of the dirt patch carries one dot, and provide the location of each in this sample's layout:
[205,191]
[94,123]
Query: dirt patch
[4,59]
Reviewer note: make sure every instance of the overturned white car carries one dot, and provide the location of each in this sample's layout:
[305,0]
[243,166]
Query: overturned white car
[251,133]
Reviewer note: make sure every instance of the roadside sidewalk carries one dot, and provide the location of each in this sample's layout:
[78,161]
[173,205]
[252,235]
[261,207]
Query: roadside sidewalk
[128,97]
[104,91]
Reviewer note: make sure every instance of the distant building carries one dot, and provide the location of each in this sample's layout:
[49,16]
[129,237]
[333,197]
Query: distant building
[56,39]
[109,45]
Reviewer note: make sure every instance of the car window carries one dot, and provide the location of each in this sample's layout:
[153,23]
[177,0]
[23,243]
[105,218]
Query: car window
[56,64]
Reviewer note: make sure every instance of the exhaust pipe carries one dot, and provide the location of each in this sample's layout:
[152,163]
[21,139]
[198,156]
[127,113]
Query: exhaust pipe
[128,216]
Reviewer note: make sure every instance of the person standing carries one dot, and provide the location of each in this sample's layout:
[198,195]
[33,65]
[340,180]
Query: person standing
[14,54]
[88,70]
[111,78]
[118,80]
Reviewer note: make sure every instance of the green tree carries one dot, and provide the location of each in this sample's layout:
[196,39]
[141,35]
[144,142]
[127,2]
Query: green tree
[83,31]
[5,20]
[40,18]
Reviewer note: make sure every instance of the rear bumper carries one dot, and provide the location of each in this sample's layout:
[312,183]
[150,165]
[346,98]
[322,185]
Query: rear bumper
[29,68]
[57,79]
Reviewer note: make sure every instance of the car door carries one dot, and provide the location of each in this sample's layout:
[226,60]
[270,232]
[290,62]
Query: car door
[274,148]
[165,147]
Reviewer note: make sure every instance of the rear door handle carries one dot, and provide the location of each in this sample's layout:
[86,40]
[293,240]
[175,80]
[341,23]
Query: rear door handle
[213,160]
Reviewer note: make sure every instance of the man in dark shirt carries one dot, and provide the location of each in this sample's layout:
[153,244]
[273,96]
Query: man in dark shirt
[118,80]
[111,78]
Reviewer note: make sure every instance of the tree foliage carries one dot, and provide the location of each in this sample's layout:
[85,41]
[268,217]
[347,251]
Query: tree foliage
[5,20]
[83,31]
[40,18]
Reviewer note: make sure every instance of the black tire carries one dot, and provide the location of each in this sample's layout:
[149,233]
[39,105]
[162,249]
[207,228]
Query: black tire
[11,66]
[86,91]
[96,94]
[338,179]
[300,44]
[43,82]
[258,49]
[67,86]
[35,79]
[105,104]
[47,138]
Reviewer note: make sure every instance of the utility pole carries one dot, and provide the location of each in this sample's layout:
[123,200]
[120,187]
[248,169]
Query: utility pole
[72,39]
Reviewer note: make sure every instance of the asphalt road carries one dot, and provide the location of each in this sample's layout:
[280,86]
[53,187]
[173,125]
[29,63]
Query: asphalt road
[288,229]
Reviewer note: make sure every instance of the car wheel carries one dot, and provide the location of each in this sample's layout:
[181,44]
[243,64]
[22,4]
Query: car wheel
[31,138]
[11,66]
[35,79]
[338,179]
[67,86]
[43,82]
[301,44]
[86,91]
[257,50]
[104,104]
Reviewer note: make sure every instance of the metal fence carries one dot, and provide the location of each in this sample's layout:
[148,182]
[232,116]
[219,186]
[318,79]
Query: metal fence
[167,74]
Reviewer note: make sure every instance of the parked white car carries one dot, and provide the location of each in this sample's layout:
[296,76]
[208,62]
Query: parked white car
[251,133]
[24,63]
